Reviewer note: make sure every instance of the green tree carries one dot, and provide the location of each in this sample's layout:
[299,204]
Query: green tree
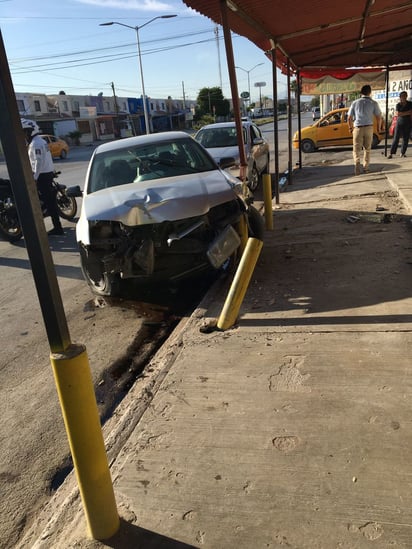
[211,101]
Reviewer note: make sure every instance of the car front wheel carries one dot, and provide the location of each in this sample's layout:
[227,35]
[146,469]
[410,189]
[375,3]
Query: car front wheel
[99,281]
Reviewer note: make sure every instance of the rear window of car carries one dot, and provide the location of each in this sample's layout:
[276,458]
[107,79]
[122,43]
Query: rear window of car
[157,160]
[213,138]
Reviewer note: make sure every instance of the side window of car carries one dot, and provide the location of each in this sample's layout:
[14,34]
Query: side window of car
[334,119]
[255,133]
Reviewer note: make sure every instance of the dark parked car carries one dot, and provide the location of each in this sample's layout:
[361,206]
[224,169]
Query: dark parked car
[157,209]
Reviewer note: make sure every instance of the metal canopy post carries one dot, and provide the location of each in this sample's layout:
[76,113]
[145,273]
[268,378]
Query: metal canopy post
[298,88]
[289,127]
[275,122]
[233,86]
[31,217]
[387,110]
[69,362]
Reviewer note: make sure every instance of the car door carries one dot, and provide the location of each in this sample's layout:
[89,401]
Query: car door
[259,147]
[332,130]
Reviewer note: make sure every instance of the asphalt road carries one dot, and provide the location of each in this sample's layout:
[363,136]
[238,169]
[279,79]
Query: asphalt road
[34,447]
[35,451]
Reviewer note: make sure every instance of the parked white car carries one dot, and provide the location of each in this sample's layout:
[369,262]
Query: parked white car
[157,209]
[221,141]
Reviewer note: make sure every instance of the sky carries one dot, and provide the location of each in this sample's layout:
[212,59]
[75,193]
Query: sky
[59,45]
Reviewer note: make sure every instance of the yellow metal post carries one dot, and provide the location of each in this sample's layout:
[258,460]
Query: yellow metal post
[240,284]
[78,403]
[267,193]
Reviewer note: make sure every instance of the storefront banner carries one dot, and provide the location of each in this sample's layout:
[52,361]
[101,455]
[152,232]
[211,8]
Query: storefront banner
[331,85]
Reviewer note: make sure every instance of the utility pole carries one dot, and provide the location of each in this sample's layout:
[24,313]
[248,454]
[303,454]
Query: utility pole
[116,110]
[218,56]
[184,97]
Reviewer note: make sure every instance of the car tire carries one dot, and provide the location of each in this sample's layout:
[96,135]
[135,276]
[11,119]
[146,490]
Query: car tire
[253,180]
[256,223]
[63,154]
[307,146]
[101,283]
[375,141]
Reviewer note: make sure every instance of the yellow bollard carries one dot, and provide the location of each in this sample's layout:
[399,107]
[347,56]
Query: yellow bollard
[78,403]
[267,194]
[240,284]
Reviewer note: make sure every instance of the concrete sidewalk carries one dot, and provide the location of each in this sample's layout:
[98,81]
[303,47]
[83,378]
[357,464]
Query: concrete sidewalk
[293,429]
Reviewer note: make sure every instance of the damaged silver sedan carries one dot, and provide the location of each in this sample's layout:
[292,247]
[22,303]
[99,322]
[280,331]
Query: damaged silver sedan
[157,209]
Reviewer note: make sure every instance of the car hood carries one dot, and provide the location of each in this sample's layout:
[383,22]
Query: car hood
[148,202]
[217,153]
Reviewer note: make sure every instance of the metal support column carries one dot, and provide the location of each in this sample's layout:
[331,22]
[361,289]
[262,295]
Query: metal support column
[234,90]
[275,122]
[71,369]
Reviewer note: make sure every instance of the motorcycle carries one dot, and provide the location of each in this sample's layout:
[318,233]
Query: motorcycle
[10,226]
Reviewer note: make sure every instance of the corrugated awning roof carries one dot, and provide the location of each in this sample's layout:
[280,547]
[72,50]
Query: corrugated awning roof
[322,34]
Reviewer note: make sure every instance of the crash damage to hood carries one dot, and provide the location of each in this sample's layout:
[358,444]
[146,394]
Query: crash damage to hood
[150,202]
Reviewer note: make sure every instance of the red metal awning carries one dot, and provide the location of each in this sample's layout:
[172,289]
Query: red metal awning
[322,35]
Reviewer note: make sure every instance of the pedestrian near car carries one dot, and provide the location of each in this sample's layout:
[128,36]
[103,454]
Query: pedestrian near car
[43,172]
[403,124]
[360,121]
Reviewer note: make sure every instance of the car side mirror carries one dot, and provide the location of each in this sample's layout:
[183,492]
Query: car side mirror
[226,162]
[74,192]
[258,141]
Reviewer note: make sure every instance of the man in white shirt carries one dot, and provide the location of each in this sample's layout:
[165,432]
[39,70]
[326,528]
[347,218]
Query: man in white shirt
[360,121]
[43,172]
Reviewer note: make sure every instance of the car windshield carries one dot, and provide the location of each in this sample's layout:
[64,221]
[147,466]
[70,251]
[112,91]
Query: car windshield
[157,160]
[212,138]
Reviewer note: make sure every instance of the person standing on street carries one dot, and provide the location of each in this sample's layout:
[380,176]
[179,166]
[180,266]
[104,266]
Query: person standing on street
[403,124]
[361,116]
[43,172]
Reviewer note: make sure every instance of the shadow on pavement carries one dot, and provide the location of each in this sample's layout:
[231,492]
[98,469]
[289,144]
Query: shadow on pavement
[130,535]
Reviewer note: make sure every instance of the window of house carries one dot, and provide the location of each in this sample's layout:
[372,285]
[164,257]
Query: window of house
[107,106]
[76,106]
[65,105]
[151,106]
[20,105]
[37,107]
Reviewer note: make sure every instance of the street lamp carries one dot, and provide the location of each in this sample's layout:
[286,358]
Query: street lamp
[146,115]
[248,77]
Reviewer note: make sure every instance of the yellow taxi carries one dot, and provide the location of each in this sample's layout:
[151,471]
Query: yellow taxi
[58,147]
[331,131]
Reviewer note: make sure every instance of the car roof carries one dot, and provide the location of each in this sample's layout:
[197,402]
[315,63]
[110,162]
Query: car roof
[343,109]
[224,125]
[141,140]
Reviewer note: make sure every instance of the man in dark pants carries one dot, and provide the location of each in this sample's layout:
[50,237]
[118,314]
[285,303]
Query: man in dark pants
[403,124]
[43,171]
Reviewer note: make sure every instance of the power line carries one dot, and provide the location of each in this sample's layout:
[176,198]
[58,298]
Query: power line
[102,59]
[127,45]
